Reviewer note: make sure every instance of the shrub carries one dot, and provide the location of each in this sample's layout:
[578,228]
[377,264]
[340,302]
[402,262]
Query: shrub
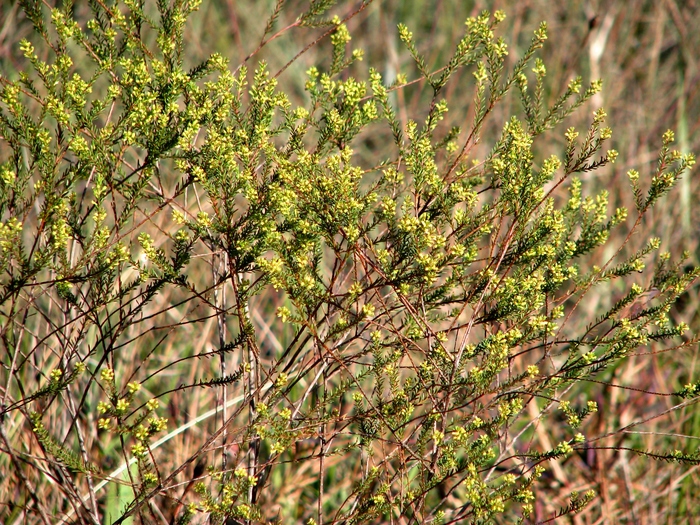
[383,337]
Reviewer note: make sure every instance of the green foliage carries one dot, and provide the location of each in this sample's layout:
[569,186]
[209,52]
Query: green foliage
[424,301]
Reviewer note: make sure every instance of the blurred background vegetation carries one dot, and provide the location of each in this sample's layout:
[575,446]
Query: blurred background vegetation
[647,54]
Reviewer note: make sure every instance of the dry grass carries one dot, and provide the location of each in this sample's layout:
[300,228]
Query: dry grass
[646,53]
